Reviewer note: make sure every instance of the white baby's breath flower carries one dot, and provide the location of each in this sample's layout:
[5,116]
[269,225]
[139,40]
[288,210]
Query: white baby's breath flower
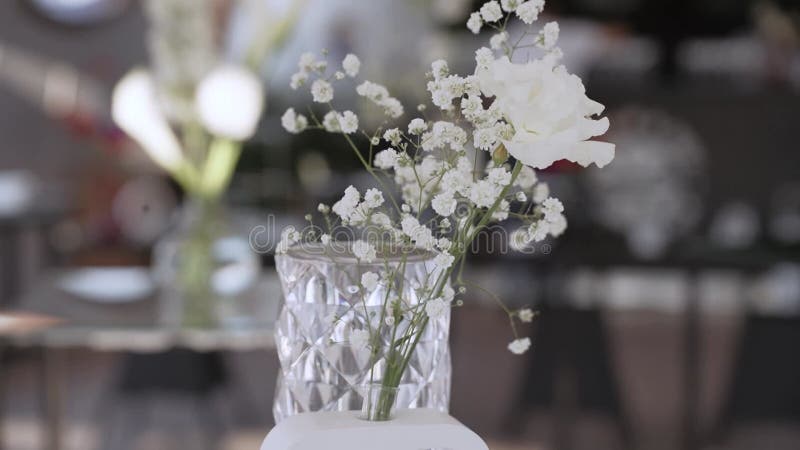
[325,239]
[322,91]
[364,251]
[348,122]
[483,193]
[548,36]
[502,211]
[475,23]
[351,65]
[393,136]
[436,308]
[293,122]
[331,122]
[537,231]
[557,225]
[289,237]
[443,260]
[339,75]
[345,207]
[541,192]
[485,138]
[484,58]
[298,80]
[552,208]
[439,69]
[444,204]
[499,176]
[323,208]
[521,197]
[373,198]
[526,315]
[359,338]
[444,244]
[510,5]
[519,346]
[307,62]
[417,126]
[528,11]
[498,40]
[491,12]
[370,281]
[386,159]
[526,178]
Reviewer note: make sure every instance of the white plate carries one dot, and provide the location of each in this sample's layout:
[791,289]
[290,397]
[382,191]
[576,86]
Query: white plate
[108,284]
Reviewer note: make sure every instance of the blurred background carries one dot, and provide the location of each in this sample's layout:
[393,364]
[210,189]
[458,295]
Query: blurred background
[670,309]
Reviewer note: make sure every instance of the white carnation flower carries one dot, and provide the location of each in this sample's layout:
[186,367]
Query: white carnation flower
[519,346]
[436,308]
[370,281]
[351,65]
[528,12]
[364,251]
[322,91]
[491,12]
[553,121]
[293,122]
[475,23]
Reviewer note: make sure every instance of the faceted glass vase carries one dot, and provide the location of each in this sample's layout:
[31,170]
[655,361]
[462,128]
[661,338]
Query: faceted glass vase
[320,369]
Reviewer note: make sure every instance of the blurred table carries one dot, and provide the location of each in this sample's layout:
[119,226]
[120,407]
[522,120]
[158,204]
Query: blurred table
[133,326]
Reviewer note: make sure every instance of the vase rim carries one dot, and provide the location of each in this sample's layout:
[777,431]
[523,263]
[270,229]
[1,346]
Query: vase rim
[341,253]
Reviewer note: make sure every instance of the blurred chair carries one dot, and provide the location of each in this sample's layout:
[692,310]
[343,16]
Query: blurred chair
[570,374]
[766,381]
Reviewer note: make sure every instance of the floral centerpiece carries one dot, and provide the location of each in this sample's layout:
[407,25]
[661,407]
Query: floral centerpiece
[191,112]
[451,170]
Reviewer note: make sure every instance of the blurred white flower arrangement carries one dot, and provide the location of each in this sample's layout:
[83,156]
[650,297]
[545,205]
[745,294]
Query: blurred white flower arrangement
[535,112]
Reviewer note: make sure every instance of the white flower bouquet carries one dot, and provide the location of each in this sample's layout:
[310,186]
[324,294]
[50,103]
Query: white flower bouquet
[525,114]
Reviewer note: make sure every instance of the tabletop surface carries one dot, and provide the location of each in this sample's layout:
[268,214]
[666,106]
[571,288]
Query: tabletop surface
[137,325]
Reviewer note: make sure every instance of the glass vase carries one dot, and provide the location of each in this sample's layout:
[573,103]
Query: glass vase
[321,369]
[204,267]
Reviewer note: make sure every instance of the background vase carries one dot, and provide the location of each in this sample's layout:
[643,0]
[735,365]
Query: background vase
[320,369]
[205,267]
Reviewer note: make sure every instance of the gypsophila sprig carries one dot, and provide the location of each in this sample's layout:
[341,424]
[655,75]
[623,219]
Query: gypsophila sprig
[469,161]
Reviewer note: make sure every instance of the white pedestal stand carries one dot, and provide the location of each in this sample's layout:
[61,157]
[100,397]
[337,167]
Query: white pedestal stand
[411,429]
